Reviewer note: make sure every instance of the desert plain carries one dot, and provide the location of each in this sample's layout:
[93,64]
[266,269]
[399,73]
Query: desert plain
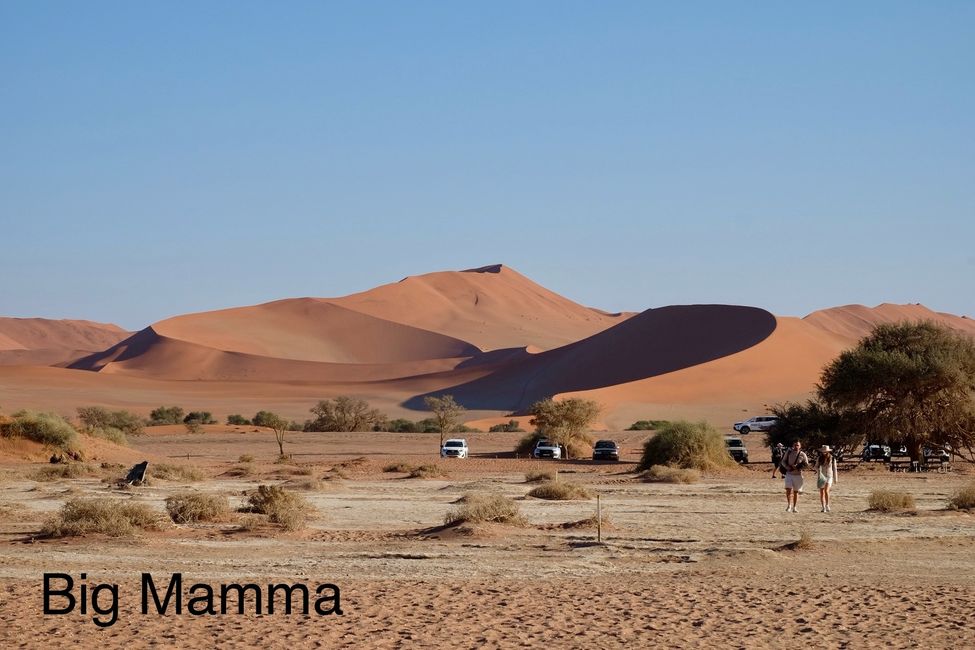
[714,563]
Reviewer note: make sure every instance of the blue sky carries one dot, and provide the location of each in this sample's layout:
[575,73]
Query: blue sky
[162,158]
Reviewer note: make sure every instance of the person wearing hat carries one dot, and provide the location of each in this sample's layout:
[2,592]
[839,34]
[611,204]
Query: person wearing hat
[825,475]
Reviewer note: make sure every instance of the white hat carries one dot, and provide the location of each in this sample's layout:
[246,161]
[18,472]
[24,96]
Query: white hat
[825,448]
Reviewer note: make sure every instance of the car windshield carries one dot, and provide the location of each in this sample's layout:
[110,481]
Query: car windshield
[453,443]
[734,443]
[605,444]
[544,443]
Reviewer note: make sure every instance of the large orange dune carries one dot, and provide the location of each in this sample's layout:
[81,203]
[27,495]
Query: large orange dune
[491,337]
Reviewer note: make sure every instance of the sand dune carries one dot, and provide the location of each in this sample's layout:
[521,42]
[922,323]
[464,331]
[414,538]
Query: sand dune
[491,307]
[656,342]
[853,322]
[490,336]
[41,341]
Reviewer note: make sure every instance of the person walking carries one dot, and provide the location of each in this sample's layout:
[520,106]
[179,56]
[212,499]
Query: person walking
[777,452]
[826,473]
[793,462]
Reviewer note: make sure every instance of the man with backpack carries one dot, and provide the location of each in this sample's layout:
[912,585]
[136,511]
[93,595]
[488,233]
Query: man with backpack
[794,460]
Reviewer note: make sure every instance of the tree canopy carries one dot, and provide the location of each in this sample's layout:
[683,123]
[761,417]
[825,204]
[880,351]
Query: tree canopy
[907,384]
[344,413]
[446,412]
[565,422]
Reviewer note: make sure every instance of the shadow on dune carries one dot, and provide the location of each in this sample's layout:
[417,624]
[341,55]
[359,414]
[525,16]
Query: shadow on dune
[652,343]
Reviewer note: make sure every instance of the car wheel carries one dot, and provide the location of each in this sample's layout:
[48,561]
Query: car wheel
[744,431]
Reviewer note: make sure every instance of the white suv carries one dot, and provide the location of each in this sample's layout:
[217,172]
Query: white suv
[547,449]
[454,448]
[760,423]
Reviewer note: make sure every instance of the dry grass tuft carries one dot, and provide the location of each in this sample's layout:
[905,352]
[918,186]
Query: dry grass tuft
[890,501]
[104,516]
[428,471]
[402,468]
[482,508]
[282,507]
[805,541]
[560,491]
[665,474]
[240,471]
[167,472]
[190,507]
[964,498]
[308,485]
[68,470]
[590,523]
[245,458]
[537,476]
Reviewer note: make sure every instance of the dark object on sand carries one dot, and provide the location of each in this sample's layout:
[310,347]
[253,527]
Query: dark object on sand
[137,475]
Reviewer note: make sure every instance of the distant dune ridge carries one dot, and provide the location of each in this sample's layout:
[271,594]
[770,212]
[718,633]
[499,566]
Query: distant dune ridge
[490,336]
[41,341]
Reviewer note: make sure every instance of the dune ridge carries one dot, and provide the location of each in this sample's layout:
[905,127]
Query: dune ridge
[43,341]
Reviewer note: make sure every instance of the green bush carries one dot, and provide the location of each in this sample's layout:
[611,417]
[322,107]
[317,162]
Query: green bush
[237,419]
[96,419]
[199,417]
[104,516]
[190,507]
[112,435]
[510,427]
[45,428]
[166,415]
[560,491]
[689,445]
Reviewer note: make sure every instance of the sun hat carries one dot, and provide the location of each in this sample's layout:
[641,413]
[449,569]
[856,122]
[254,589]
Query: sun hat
[825,448]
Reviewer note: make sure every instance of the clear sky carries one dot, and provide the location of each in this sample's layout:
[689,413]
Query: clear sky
[161,158]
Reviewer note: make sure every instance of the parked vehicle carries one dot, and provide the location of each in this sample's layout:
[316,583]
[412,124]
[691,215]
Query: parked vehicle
[454,448]
[759,423]
[872,452]
[737,450]
[547,449]
[606,450]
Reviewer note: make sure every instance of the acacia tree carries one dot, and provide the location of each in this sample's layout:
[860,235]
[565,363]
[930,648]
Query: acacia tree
[344,413]
[278,425]
[907,383]
[564,422]
[446,412]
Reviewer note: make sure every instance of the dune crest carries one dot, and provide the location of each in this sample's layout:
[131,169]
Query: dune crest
[42,341]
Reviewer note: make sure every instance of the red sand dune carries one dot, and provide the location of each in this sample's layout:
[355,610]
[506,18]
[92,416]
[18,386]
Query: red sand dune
[490,336]
[40,341]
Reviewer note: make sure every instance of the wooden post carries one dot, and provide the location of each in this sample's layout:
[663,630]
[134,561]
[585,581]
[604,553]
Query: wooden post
[599,520]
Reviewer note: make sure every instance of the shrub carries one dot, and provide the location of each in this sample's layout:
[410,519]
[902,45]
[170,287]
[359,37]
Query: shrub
[964,498]
[240,470]
[237,419]
[479,508]
[648,425]
[245,458]
[168,472]
[511,427]
[404,468]
[189,507]
[68,470]
[890,501]
[539,475]
[688,445]
[112,435]
[105,516]
[805,541]
[665,474]
[45,428]
[282,507]
[591,522]
[96,418]
[200,417]
[428,471]
[166,415]
[560,491]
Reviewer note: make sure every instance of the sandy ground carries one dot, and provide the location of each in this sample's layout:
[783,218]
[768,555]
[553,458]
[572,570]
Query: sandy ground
[709,563]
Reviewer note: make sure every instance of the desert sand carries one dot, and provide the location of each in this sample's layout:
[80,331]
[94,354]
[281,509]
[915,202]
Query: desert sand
[712,563]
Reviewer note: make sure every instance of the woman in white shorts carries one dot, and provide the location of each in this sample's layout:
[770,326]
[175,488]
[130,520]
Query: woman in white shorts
[825,475]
